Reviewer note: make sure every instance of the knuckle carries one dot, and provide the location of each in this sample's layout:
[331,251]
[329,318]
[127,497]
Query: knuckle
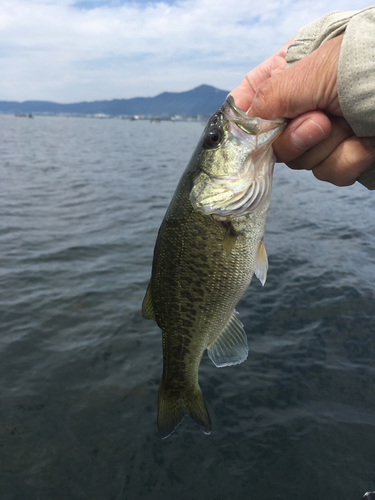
[266,99]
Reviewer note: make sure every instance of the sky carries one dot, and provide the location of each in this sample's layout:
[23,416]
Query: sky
[84,50]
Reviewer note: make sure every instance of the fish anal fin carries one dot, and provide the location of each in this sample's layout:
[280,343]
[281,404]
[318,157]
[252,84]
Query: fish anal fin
[230,239]
[261,263]
[147,307]
[173,407]
[230,347]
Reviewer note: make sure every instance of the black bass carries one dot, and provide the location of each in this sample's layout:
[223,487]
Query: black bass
[209,246]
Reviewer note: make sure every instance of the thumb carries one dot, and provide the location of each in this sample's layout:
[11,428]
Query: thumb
[308,85]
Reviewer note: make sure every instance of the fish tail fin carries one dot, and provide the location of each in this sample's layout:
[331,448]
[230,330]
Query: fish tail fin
[173,407]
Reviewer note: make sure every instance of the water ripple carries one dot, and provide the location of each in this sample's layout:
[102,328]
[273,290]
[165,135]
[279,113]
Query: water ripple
[81,203]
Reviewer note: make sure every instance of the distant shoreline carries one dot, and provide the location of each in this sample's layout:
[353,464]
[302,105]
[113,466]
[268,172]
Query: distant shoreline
[194,104]
[151,119]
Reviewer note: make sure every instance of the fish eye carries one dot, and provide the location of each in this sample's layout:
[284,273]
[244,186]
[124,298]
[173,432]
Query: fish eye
[213,138]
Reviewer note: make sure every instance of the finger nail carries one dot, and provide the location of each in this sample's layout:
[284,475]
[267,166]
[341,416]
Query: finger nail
[307,134]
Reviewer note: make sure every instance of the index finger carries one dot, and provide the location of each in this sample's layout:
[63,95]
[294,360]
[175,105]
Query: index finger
[243,95]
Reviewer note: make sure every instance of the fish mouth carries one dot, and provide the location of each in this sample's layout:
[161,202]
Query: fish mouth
[248,184]
[253,126]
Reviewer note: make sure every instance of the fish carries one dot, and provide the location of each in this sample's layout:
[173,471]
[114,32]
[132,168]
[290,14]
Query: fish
[209,245]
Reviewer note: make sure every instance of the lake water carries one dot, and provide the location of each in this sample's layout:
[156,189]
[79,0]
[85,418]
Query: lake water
[81,201]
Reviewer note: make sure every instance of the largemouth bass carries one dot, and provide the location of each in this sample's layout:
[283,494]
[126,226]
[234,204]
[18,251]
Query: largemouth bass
[209,245]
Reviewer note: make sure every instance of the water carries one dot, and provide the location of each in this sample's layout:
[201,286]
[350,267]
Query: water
[81,203]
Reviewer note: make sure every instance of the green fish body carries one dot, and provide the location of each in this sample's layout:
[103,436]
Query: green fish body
[209,245]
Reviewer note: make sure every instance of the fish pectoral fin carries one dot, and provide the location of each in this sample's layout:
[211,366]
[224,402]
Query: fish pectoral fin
[173,407]
[230,347]
[261,263]
[230,239]
[147,307]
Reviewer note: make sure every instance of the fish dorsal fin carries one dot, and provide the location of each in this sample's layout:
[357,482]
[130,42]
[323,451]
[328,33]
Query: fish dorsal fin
[229,240]
[261,263]
[147,307]
[230,347]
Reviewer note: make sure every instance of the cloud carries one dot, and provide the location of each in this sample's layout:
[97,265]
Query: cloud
[69,51]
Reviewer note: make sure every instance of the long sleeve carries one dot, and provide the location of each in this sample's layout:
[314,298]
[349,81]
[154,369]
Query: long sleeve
[356,67]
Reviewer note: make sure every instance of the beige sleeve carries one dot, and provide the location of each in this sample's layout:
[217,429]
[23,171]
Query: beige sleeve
[356,68]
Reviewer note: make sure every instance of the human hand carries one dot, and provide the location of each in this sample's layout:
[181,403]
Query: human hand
[317,138]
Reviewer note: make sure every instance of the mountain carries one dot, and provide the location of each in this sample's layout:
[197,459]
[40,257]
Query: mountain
[203,100]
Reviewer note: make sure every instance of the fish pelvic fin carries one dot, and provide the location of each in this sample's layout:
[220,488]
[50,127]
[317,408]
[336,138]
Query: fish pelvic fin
[147,307]
[174,405]
[261,263]
[230,239]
